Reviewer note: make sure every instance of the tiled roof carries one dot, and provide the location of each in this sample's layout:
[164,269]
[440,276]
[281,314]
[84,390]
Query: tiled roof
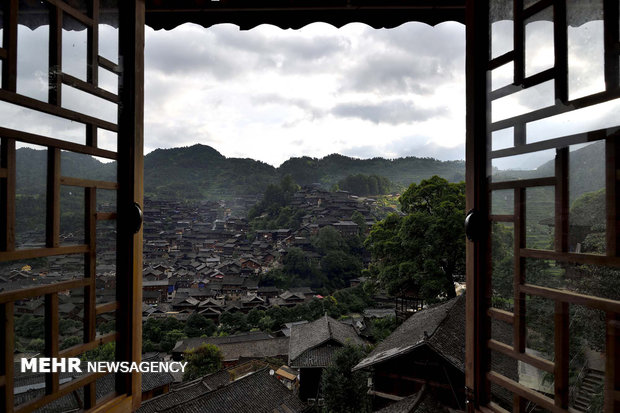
[308,336]
[258,392]
[216,380]
[320,356]
[175,396]
[405,405]
[255,349]
[104,386]
[421,402]
[190,343]
[445,322]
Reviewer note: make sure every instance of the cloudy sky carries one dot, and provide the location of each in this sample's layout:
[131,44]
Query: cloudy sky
[271,94]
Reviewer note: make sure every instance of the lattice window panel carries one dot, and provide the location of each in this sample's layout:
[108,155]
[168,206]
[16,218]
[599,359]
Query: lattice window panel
[512,31]
[59,18]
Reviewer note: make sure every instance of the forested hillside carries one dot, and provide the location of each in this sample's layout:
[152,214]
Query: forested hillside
[201,172]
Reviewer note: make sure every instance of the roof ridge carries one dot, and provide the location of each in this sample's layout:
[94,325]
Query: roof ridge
[212,392]
[445,317]
[329,327]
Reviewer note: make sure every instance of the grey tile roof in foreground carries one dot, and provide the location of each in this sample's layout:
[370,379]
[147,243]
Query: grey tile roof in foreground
[421,402]
[442,327]
[175,396]
[259,392]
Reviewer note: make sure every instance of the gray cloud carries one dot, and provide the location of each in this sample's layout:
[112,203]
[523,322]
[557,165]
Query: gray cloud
[393,112]
[312,111]
[444,42]
[292,47]
[225,52]
[385,73]
[418,146]
[166,53]
[412,58]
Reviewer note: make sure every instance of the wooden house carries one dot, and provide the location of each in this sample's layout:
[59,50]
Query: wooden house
[312,347]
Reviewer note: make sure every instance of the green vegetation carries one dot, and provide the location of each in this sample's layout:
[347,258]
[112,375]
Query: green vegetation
[333,261]
[105,352]
[364,185]
[345,391]
[161,334]
[347,301]
[587,326]
[381,328]
[201,361]
[401,171]
[200,172]
[274,210]
[30,333]
[198,326]
[422,252]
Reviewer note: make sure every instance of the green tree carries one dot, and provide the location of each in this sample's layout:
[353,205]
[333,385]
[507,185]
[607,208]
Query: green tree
[299,269]
[151,330]
[359,219]
[29,326]
[148,346]
[339,267]
[170,339]
[254,316]
[197,325]
[70,342]
[345,391]
[66,325]
[171,323]
[201,361]
[274,210]
[106,327]
[383,327]
[421,252]
[105,352]
[266,323]
[234,322]
[361,184]
[328,239]
[502,262]
[36,345]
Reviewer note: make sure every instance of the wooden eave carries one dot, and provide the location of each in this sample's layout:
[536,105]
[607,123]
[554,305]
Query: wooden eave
[294,14]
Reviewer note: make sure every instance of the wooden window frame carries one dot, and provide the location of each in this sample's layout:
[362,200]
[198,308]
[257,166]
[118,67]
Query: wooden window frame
[133,15]
[127,394]
[479,344]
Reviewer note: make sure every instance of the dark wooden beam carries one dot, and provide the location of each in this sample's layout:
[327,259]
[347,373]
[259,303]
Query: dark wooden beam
[561,200]
[7,363]
[612,193]
[9,42]
[476,147]
[55,57]
[7,188]
[560,49]
[562,356]
[90,272]
[130,192]
[52,336]
[611,39]
[52,223]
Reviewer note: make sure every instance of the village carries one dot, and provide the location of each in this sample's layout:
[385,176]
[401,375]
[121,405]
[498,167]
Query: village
[206,285]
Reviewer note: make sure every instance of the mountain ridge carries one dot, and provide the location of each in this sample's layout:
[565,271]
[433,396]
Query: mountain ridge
[201,172]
